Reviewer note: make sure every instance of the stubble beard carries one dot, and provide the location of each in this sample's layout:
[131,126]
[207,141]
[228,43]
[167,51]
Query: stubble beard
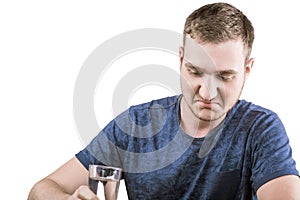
[222,114]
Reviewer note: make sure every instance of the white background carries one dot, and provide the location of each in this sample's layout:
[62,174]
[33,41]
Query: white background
[43,45]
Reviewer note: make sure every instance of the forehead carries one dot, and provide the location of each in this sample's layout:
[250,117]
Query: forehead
[222,56]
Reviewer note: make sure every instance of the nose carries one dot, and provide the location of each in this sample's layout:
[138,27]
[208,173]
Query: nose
[208,89]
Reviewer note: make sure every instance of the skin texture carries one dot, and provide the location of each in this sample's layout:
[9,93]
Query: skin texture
[285,187]
[212,79]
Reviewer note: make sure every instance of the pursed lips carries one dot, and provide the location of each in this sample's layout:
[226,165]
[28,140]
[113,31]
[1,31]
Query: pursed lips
[206,104]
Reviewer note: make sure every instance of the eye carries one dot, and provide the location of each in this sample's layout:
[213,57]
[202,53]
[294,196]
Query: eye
[225,77]
[194,71]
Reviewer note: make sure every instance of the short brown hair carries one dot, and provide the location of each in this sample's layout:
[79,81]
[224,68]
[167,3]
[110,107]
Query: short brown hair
[220,22]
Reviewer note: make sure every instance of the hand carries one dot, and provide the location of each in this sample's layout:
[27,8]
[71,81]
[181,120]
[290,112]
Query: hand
[83,193]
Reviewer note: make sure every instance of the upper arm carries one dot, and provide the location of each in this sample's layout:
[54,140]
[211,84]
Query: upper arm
[70,176]
[271,153]
[284,187]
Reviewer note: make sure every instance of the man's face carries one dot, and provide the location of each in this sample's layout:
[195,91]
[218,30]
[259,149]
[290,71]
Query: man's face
[212,77]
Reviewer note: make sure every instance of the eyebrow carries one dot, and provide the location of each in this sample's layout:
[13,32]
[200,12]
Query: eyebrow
[223,72]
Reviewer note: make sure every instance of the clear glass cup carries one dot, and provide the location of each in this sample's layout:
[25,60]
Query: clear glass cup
[110,179]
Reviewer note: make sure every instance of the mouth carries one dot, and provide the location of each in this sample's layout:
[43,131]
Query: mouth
[206,104]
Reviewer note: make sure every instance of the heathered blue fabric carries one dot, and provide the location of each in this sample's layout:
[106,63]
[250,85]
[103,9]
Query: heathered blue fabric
[160,161]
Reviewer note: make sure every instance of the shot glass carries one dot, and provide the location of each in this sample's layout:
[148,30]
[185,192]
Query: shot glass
[110,179]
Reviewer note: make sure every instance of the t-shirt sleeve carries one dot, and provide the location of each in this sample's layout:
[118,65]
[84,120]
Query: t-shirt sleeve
[271,151]
[102,149]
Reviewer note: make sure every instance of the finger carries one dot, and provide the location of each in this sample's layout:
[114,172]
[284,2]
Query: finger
[85,193]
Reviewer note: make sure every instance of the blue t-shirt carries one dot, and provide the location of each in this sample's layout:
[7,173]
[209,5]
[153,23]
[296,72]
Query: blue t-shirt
[160,161]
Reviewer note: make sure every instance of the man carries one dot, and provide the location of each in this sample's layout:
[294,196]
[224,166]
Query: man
[202,144]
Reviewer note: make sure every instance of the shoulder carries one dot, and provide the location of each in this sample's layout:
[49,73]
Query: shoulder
[142,117]
[255,121]
[163,102]
[155,107]
[246,106]
[252,112]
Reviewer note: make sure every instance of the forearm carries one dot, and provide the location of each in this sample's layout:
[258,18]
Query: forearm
[47,189]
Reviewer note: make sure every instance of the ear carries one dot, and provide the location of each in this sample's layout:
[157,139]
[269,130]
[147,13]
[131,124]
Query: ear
[249,66]
[181,54]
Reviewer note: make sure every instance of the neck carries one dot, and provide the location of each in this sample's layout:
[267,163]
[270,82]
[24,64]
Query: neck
[194,126]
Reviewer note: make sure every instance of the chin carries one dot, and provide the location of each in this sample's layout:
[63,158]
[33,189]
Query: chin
[211,117]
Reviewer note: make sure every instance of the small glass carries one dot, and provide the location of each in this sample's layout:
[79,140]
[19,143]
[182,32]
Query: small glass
[110,179]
